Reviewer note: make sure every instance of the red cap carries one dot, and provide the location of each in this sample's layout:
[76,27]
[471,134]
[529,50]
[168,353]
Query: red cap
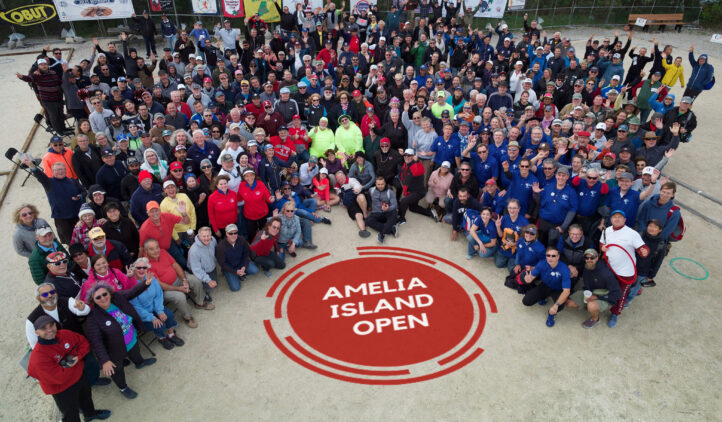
[356,93]
[296,116]
[584,133]
[384,141]
[491,182]
[144,174]
[267,103]
[610,154]
[314,76]
[381,79]
[175,165]
[207,79]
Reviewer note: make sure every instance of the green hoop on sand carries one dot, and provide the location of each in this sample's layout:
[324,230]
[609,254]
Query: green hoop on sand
[671,264]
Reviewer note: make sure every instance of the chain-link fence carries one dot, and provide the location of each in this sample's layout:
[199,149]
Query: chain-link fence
[553,13]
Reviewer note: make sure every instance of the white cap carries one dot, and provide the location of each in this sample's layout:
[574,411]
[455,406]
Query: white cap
[527,81]
[191,56]
[168,183]
[446,164]
[648,170]
[519,63]
[409,151]
[181,86]
[616,77]
[42,61]
[507,38]
[234,126]
[323,171]
[504,26]
[600,126]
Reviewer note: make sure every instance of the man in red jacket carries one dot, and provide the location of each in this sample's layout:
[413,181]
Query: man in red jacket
[57,363]
[412,186]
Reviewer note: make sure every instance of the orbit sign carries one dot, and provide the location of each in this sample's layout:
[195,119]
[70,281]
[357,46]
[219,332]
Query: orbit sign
[387,316]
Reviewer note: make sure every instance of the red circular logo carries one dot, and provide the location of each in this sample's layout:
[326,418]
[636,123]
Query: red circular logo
[388,316]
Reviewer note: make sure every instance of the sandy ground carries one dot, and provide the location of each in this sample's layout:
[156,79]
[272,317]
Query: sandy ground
[662,362]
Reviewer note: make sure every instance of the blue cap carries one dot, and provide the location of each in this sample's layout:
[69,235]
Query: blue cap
[623,127]
[423,66]
[618,212]
[212,104]
[267,147]
[56,139]
[206,131]
[439,81]
[121,137]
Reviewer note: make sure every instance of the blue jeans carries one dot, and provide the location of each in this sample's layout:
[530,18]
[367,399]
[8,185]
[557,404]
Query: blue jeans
[161,331]
[470,251]
[171,41]
[234,281]
[502,261]
[177,253]
[310,204]
[636,287]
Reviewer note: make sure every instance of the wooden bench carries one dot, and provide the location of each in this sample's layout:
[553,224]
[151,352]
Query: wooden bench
[660,19]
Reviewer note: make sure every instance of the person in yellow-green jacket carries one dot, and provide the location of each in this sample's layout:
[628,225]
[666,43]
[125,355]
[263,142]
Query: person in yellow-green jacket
[322,138]
[673,72]
[348,138]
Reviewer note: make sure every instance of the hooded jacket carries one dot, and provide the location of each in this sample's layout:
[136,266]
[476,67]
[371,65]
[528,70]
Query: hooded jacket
[701,75]
[652,209]
[202,259]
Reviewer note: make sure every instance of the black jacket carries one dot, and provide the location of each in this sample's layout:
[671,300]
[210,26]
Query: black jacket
[104,332]
[87,164]
[68,320]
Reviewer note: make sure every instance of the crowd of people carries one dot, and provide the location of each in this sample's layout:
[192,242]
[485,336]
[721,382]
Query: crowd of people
[217,159]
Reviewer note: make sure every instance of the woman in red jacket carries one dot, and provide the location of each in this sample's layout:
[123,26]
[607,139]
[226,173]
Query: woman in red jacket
[222,206]
[265,247]
[256,197]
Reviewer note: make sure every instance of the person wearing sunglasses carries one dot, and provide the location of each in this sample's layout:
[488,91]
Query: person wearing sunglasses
[45,245]
[590,192]
[601,283]
[26,221]
[113,327]
[555,283]
[149,305]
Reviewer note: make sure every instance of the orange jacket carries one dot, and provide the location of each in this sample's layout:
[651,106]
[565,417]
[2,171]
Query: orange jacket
[53,157]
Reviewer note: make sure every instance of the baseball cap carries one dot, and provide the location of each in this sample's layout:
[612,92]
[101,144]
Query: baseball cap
[151,205]
[600,126]
[95,233]
[42,231]
[686,99]
[44,320]
[180,147]
[175,165]
[592,252]
[648,170]
[384,141]
[409,151]
[446,164]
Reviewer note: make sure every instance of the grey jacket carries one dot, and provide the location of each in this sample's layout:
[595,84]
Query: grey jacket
[367,176]
[202,259]
[377,197]
[290,230]
[24,237]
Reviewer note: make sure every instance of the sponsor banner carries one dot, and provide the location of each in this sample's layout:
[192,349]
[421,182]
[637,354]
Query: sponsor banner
[716,38]
[81,10]
[264,8]
[31,14]
[233,8]
[357,6]
[516,4]
[387,316]
[487,8]
[161,5]
[204,7]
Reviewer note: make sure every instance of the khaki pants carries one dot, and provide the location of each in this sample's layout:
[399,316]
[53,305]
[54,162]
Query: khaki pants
[179,299]
[428,169]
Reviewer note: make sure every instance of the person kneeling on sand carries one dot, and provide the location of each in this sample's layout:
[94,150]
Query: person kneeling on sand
[601,289]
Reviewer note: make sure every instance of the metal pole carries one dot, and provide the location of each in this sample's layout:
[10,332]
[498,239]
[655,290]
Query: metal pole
[699,192]
[610,11]
[698,214]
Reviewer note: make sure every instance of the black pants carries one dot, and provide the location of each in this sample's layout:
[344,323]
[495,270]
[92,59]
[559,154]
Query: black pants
[65,226]
[548,233]
[55,114]
[119,376]
[269,261]
[540,292]
[691,92]
[382,222]
[149,45]
[76,397]
[253,226]
[587,223]
[78,113]
[411,202]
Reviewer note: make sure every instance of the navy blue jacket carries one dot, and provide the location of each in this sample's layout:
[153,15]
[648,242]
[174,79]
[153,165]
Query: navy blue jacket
[140,198]
[61,194]
[110,177]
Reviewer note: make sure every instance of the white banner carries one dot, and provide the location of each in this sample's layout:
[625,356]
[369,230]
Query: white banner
[205,7]
[315,4]
[516,4]
[356,6]
[716,38]
[640,22]
[80,10]
[487,8]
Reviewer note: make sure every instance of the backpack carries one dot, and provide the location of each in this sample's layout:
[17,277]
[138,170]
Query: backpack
[678,232]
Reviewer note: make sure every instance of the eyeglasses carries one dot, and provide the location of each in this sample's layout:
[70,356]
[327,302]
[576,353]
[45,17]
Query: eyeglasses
[548,168]
[590,258]
[177,170]
[293,210]
[25,214]
[551,255]
[216,131]
[95,102]
[48,293]
[523,167]
[205,167]
[231,233]
[100,296]
[464,169]
[141,268]
[61,262]
[592,178]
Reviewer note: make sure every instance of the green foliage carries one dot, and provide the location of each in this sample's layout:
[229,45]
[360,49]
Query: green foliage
[711,15]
